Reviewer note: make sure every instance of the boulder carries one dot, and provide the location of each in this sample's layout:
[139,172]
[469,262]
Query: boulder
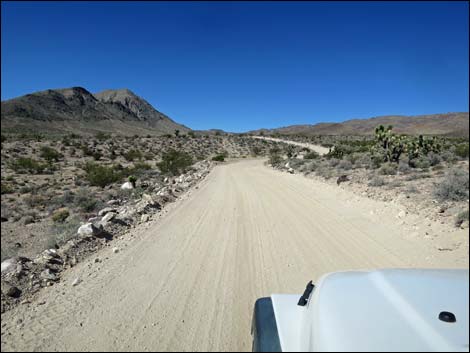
[342,179]
[127,186]
[145,218]
[290,170]
[88,229]
[113,202]
[47,274]
[108,216]
[9,265]
[11,291]
[102,212]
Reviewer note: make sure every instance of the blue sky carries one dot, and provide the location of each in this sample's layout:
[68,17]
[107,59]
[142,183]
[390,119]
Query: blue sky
[245,65]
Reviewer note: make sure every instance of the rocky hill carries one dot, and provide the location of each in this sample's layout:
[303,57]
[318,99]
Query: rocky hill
[77,110]
[449,124]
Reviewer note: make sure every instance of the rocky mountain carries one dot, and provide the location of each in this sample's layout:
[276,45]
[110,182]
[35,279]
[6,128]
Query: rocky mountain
[449,124]
[77,110]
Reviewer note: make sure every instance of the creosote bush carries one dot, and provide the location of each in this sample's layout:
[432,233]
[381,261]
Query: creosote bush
[98,175]
[175,162]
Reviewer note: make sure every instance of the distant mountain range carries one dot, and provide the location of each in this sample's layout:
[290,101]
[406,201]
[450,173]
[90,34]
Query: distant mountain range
[449,124]
[79,111]
[122,112]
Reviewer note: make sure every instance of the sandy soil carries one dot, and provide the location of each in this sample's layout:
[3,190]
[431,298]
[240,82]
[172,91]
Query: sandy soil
[189,281]
[317,148]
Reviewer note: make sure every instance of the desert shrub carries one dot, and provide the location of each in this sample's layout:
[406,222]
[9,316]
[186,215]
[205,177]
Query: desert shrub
[454,186]
[363,160]
[324,172]
[148,156]
[27,165]
[98,175]
[461,150]
[312,155]
[60,215]
[256,151]
[218,158]
[412,189]
[50,154]
[420,162]
[132,155]
[62,232]
[434,158]
[296,163]
[102,136]
[6,189]
[388,169]
[175,162]
[275,156]
[403,167]
[345,164]
[87,152]
[395,184]
[85,201]
[309,167]
[449,156]
[461,217]
[35,200]
[416,176]
[334,162]
[97,155]
[377,181]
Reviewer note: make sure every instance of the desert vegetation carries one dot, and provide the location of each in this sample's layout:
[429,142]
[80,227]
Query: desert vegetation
[428,173]
[51,184]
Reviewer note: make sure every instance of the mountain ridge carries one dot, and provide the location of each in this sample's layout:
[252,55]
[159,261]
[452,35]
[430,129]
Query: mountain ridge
[75,108]
[454,124]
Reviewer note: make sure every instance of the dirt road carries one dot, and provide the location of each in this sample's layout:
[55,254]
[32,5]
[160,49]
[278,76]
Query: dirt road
[190,280]
[317,148]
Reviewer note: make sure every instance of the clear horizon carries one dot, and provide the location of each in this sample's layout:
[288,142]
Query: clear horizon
[246,66]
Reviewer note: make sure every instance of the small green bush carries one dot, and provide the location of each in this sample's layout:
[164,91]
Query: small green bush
[6,189]
[50,154]
[27,165]
[175,162]
[421,162]
[461,217]
[312,155]
[98,175]
[60,215]
[218,158]
[133,155]
[388,169]
[461,150]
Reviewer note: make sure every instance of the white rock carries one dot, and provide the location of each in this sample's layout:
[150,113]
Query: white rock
[88,229]
[76,281]
[290,170]
[108,216]
[115,250]
[8,265]
[102,212]
[127,186]
[401,214]
[145,218]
